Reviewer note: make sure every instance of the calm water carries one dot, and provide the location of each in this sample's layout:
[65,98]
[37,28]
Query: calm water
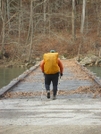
[96,70]
[8,74]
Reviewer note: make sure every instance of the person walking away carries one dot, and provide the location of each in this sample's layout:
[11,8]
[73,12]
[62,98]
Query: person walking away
[52,67]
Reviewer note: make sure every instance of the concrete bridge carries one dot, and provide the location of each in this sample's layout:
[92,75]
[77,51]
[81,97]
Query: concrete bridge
[77,109]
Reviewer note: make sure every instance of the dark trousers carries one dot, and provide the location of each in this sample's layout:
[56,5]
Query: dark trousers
[54,79]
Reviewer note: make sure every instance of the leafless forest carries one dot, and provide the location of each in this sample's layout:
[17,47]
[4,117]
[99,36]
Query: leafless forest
[28,28]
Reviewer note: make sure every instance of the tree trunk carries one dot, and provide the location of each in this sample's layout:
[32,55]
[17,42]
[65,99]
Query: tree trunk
[83,16]
[20,17]
[2,8]
[49,20]
[8,15]
[73,20]
[98,12]
[44,14]
[31,30]
[82,27]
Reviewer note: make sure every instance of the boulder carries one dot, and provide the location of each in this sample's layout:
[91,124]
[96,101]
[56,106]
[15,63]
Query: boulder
[89,60]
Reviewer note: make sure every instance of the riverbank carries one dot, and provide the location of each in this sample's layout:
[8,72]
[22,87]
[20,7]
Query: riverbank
[9,63]
[4,63]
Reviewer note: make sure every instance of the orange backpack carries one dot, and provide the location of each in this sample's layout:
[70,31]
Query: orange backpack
[51,63]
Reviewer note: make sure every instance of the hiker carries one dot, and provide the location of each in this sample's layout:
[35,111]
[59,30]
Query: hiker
[52,68]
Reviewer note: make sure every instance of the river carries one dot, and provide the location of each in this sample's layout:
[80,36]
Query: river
[8,74]
[96,70]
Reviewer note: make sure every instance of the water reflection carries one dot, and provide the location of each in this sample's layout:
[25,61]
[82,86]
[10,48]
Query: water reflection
[96,70]
[8,74]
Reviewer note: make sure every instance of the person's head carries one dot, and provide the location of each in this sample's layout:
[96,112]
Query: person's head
[52,51]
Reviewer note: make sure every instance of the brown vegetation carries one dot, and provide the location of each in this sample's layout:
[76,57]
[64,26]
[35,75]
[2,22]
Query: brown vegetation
[30,28]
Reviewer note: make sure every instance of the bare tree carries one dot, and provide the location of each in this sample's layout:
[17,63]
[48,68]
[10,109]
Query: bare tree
[82,27]
[98,14]
[31,30]
[36,17]
[8,14]
[20,20]
[83,16]
[3,18]
[44,14]
[73,20]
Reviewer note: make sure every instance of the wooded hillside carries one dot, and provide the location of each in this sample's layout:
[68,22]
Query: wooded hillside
[28,28]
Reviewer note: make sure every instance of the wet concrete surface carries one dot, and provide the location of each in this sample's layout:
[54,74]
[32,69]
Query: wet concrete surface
[35,81]
[50,112]
[60,116]
[55,129]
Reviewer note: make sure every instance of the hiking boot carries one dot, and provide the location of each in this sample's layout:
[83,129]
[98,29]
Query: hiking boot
[48,94]
[54,97]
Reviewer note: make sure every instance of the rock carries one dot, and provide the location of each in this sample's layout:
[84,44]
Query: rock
[37,59]
[98,62]
[90,60]
[9,66]
[22,66]
[85,61]
[63,58]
